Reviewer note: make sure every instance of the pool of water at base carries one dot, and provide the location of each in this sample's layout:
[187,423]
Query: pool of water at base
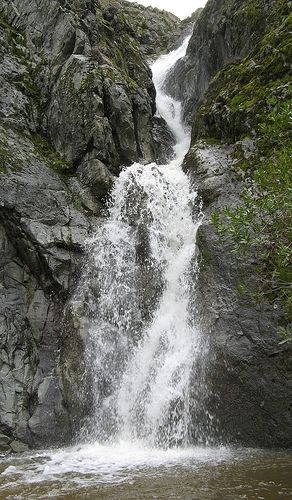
[130,472]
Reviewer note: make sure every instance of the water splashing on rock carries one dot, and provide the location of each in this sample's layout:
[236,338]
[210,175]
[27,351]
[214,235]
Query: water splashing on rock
[142,340]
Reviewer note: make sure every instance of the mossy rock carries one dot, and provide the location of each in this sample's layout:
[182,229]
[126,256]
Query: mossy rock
[52,159]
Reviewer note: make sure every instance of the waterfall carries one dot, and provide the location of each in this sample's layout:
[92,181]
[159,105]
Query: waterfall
[168,108]
[142,340]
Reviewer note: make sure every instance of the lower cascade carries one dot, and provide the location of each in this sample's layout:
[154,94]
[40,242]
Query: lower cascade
[142,340]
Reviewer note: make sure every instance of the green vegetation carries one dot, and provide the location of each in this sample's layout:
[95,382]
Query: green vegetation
[8,160]
[263,224]
[239,96]
[253,100]
[18,48]
[52,158]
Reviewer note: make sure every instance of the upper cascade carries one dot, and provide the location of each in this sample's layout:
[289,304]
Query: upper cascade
[169,108]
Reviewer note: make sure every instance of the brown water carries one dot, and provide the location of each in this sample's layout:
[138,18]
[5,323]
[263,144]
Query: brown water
[130,472]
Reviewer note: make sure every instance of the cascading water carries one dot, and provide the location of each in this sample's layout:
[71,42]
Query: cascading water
[142,340]
[168,108]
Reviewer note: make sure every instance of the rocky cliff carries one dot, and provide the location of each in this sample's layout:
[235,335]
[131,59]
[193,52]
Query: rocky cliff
[77,103]
[239,163]
[225,32]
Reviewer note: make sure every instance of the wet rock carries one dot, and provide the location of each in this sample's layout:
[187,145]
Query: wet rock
[155,30]
[84,198]
[18,447]
[4,443]
[94,175]
[41,238]
[187,26]
[209,170]
[163,141]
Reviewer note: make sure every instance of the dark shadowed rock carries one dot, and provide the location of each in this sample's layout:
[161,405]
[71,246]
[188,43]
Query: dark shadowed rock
[41,240]
[163,141]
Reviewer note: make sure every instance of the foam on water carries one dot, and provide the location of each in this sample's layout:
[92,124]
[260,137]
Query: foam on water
[129,470]
[96,463]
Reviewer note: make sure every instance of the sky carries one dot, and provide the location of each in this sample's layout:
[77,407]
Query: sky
[181,8]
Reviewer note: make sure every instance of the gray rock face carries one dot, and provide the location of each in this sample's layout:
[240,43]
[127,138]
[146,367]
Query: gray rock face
[41,240]
[155,30]
[249,374]
[224,33]
[163,141]
[88,89]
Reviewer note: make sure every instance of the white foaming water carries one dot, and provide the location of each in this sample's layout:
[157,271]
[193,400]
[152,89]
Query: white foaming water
[78,468]
[151,401]
[167,107]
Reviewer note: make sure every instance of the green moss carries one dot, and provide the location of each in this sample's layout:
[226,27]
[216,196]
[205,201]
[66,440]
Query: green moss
[28,87]
[7,160]
[212,141]
[52,158]
[77,202]
[12,33]
[18,46]
[241,288]
[3,161]
[205,254]
[206,257]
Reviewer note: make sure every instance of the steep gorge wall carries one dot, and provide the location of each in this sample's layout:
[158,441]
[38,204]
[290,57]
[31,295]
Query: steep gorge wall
[237,148]
[224,33]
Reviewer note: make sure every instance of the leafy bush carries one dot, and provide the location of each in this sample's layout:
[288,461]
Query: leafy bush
[262,224]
